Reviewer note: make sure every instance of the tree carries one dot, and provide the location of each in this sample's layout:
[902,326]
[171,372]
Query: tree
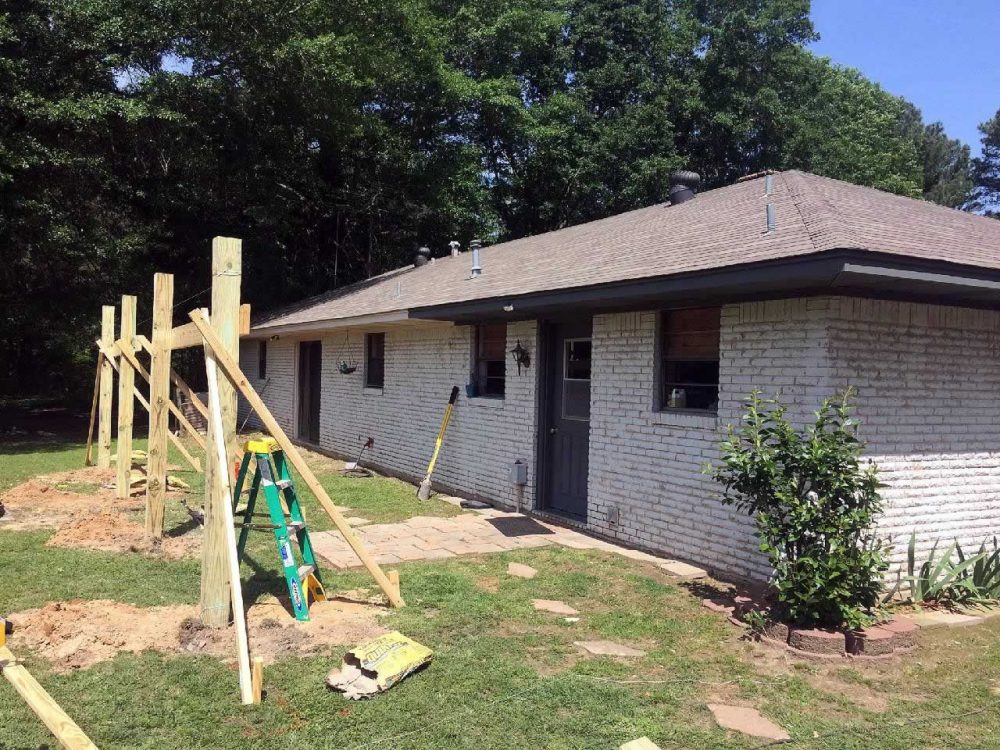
[986,169]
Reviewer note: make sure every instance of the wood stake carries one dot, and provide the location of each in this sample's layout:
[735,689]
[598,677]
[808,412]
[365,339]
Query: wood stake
[232,370]
[126,402]
[219,461]
[226,263]
[107,390]
[70,736]
[257,678]
[195,463]
[88,459]
[186,336]
[159,398]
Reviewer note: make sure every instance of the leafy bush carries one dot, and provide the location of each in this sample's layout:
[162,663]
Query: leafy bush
[814,508]
[942,580]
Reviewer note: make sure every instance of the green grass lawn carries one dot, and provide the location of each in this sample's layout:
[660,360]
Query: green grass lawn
[503,675]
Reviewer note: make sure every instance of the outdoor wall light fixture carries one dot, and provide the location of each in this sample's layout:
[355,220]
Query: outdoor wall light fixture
[509,307]
[521,357]
[275,337]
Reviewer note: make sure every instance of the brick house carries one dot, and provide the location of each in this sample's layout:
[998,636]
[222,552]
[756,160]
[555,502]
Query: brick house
[645,332]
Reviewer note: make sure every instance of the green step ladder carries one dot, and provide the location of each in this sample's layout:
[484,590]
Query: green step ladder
[271,474]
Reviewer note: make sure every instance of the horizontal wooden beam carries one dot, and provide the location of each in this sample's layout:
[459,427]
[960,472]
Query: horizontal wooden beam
[177,380]
[187,335]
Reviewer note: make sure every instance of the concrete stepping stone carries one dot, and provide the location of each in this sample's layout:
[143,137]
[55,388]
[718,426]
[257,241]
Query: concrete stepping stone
[357,520]
[554,606]
[608,648]
[747,721]
[682,570]
[521,571]
[643,743]
[933,618]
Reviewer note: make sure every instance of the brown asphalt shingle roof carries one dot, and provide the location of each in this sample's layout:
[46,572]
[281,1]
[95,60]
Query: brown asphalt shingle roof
[722,227]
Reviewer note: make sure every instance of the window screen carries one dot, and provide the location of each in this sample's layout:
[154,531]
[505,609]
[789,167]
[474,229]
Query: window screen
[689,371]
[375,360]
[491,362]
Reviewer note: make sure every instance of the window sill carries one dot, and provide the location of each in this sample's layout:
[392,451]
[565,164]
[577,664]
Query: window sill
[686,418]
[372,390]
[489,402]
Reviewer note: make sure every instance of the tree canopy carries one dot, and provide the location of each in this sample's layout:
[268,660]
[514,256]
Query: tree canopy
[335,138]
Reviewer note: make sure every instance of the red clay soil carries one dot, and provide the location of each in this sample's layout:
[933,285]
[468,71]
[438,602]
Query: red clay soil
[45,501]
[78,633]
[115,532]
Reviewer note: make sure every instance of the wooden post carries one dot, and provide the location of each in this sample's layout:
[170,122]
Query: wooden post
[257,678]
[159,397]
[230,366]
[107,390]
[215,596]
[88,460]
[126,401]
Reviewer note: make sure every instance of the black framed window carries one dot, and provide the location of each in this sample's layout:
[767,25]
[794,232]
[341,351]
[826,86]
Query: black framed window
[375,360]
[261,360]
[490,366]
[689,359]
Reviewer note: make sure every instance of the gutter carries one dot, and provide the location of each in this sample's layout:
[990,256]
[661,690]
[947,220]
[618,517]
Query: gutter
[264,330]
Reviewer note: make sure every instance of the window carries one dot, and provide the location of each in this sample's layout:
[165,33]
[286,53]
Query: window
[374,360]
[262,360]
[490,359]
[576,379]
[689,366]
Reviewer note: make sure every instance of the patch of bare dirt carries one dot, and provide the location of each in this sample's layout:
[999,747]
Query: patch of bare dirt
[115,532]
[50,500]
[77,634]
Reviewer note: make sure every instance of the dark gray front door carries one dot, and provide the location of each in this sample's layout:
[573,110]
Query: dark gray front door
[566,427]
[310,370]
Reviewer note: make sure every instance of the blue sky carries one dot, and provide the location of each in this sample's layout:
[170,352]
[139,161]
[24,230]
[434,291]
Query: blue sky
[942,56]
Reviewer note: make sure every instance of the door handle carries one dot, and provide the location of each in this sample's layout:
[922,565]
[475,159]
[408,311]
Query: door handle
[553,430]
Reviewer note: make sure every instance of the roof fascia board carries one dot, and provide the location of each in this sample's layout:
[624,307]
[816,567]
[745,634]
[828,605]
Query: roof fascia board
[394,316]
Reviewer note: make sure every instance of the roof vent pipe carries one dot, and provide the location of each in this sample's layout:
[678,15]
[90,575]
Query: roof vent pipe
[770,217]
[476,268]
[455,245]
[683,186]
[768,184]
[422,256]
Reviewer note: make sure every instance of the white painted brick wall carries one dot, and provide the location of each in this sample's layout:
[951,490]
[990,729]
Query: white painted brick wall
[929,399]
[422,364]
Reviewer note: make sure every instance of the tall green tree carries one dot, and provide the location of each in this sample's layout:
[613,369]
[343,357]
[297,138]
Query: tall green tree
[986,169]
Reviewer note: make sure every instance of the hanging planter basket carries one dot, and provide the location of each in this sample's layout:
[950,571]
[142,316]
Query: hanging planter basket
[348,364]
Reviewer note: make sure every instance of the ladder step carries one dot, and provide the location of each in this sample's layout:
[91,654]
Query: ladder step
[305,570]
[296,525]
[283,484]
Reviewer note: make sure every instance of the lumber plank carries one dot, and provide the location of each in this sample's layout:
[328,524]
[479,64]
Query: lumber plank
[128,354]
[69,734]
[107,390]
[194,462]
[643,743]
[232,370]
[218,461]
[126,402]
[89,458]
[227,260]
[159,399]
[187,336]
[177,380]
[257,681]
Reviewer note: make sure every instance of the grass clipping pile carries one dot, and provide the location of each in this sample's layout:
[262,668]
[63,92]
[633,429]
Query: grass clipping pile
[80,633]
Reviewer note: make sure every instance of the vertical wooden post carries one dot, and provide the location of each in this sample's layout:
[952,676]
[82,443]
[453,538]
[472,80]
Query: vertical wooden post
[126,401]
[227,258]
[159,395]
[107,389]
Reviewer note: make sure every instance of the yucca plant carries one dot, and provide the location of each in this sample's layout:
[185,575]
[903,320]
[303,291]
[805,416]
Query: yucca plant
[985,574]
[940,580]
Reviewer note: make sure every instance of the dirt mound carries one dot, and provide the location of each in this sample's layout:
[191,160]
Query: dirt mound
[77,634]
[114,532]
[50,500]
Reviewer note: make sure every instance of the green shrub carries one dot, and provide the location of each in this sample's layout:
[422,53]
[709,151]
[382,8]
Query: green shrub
[814,507]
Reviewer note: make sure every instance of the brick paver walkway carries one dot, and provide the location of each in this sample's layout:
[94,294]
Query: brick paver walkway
[428,538]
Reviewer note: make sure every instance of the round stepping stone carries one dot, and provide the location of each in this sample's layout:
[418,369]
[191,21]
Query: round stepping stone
[521,571]
[554,606]
[747,721]
[608,648]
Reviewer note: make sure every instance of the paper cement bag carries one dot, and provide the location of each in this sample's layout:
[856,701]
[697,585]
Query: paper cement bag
[377,665]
